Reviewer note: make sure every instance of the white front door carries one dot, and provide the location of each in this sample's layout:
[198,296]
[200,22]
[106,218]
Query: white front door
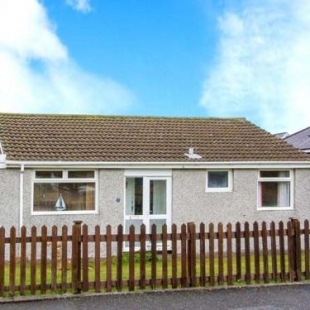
[148,201]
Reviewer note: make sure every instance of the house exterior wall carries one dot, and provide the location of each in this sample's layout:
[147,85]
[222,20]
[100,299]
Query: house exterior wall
[302,193]
[9,197]
[191,202]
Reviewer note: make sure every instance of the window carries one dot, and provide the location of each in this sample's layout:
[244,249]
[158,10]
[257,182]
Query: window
[71,191]
[219,181]
[275,190]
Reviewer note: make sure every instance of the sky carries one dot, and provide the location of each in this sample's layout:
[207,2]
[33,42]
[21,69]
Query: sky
[183,58]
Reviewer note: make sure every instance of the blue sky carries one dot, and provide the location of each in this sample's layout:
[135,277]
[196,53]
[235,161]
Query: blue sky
[203,58]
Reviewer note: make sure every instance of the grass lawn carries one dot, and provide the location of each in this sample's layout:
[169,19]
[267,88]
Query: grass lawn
[148,270]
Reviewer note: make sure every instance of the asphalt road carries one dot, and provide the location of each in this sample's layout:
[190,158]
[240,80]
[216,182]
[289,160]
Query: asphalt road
[251,298]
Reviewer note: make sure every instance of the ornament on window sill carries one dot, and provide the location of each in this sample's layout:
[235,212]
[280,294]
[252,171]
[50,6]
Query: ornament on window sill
[60,204]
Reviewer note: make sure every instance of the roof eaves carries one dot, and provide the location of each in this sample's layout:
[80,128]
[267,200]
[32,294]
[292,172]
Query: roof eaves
[161,165]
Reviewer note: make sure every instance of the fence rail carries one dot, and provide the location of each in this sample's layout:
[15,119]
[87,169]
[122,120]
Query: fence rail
[206,255]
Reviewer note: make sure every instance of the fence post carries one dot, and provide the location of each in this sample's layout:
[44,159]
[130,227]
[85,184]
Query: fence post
[295,248]
[298,251]
[191,254]
[76,257]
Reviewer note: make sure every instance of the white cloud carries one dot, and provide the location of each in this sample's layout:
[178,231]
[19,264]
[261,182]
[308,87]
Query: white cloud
[80,5]
[262,70]
[37,74]
[26,32]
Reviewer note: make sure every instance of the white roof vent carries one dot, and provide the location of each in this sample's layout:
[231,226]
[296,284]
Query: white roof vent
[191,154]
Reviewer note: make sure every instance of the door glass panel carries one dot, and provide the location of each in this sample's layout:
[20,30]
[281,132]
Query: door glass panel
[137,224]
[159,223]
[159,228]
[134,198]
[158,199]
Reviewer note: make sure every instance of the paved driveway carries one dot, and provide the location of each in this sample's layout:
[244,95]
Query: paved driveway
[250,298]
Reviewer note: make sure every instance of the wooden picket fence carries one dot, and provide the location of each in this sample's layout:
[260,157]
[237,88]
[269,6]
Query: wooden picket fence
[78,262]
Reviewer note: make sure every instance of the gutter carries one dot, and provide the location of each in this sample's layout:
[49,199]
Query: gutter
[158,165]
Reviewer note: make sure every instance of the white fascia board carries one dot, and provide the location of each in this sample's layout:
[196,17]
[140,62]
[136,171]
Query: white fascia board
[158,165]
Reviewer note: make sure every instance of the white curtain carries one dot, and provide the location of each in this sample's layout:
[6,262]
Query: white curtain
[159,197]
[283,192]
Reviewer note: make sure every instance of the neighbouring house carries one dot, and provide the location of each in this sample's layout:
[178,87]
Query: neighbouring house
[55,169]
[282,135]
[300,139]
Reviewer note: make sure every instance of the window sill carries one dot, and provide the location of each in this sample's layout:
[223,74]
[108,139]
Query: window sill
[275,209]
[66,213]
[218,190]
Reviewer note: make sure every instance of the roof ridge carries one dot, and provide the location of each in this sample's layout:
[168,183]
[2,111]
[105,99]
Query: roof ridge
[121,116]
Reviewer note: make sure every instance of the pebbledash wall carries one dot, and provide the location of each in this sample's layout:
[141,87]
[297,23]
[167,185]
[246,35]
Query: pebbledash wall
[9,197]
[190,201]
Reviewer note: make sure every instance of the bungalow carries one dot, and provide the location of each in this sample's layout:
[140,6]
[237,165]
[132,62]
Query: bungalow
[55,169]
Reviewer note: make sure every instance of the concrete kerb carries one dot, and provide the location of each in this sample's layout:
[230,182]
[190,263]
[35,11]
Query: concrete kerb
[21,299]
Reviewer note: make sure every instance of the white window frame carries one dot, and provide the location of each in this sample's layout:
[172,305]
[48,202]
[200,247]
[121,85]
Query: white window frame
[289,179]
[229,188]
[65,179]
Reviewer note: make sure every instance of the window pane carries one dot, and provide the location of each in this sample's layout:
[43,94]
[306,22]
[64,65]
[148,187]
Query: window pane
[218,179]
[81,174]
[275,194]
[158,202]
[275,174]
[48,174]
[75,196]
[134,196]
